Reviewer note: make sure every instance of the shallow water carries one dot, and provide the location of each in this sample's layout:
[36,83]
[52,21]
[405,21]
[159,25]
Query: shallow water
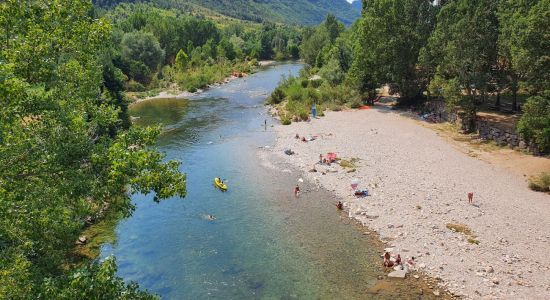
[264,242]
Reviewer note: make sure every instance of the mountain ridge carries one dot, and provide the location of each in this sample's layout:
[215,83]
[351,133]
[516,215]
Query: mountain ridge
[299,12]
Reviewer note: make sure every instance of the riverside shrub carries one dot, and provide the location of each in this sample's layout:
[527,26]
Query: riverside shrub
[534,124]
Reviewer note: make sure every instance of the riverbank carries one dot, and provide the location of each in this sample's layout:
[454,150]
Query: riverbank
[176,93]
[418,185]
[263,243]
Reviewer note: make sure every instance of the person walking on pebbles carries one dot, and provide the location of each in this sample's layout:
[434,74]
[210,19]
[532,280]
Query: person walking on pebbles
[470,197]
[296,191]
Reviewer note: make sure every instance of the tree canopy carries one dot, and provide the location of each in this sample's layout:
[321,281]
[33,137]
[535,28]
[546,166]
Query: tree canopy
[66,153]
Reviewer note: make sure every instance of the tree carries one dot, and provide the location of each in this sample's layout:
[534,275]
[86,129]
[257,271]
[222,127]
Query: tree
[390,35]
[334,28]
[314,41]
[181,60]
[266,41]
[512,17]
[65,158]
[464,47]
[530,45]
[142,47]
[93,281]
[225,49]
[534,124]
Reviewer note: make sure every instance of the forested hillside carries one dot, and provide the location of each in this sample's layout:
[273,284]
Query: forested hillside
[304,12]
[465,53]
[156,48]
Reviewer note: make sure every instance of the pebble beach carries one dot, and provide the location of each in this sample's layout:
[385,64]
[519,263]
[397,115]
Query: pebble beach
[495,248]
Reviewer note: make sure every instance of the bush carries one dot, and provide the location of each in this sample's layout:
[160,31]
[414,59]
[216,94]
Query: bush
[540,183]
[316,83]
[295,92]
[304,115]
[285,119]
[134,86]
[355,103]
[277,96]
[312,96]
[334,107]
[534,124]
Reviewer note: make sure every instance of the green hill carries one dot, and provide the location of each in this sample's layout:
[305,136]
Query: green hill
[303,12]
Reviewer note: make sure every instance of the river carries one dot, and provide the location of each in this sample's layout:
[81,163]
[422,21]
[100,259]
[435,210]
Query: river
[264,243]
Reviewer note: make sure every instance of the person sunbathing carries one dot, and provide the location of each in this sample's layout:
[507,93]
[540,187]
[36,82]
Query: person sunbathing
[387,261]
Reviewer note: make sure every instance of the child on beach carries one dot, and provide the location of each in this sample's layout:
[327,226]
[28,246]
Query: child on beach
[470,197]
[296,191]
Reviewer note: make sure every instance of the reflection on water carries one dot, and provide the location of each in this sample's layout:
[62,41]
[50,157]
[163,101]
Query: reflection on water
[159,111]
[264,243]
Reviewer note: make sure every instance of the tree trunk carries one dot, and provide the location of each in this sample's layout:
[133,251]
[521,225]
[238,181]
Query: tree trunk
[514,93]
[497,102]
[471,113]
[514,98]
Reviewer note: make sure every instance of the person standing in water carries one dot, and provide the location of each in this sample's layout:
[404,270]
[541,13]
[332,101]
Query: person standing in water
[265,125]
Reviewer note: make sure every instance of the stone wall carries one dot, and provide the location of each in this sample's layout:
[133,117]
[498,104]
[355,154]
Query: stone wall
[502,132]
[437,108]
[503,135]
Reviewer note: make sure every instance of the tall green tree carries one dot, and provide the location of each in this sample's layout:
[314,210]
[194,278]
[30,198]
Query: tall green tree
[390,36]
[528,42]
[142,47]
[62,164]
[512,17]
[464,48]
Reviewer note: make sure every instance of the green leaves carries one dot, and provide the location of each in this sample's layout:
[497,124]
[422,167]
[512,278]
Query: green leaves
[390,36]
[65,155]
[94,281]
[534,124]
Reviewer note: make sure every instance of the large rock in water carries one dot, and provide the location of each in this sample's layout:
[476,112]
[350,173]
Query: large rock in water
[398,274]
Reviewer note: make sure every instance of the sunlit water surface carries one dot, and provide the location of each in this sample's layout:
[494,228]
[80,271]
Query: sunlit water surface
[264,243]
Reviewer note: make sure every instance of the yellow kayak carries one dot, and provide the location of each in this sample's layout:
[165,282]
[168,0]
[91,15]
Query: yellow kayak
[220,184]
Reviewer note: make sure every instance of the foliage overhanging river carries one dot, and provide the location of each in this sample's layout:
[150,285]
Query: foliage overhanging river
[264,243]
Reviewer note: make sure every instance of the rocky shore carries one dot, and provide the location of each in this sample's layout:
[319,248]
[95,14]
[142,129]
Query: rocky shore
[418,183]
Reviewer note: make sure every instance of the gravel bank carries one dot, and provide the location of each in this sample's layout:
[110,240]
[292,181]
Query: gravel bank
[418,184]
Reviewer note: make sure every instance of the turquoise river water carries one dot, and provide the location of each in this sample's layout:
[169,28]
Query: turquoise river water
[264,243]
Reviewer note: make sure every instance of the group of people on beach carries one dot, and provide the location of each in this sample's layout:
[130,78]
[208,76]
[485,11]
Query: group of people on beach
[389,263]
[325,160]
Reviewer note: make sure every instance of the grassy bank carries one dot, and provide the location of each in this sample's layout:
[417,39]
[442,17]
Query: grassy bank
[295,96]
[175,82]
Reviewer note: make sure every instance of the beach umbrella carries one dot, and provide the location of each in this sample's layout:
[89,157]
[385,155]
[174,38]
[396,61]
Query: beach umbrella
[354,183]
